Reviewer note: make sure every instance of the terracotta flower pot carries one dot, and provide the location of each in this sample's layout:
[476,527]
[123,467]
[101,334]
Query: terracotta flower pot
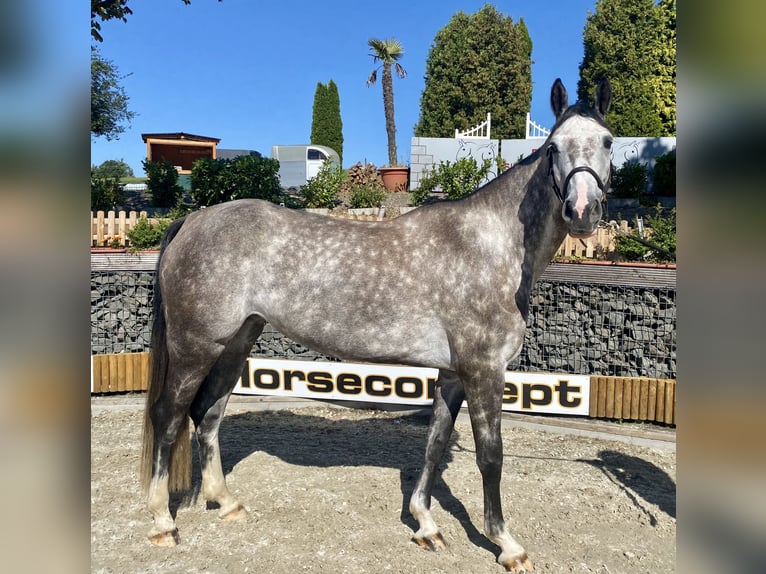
[395,178]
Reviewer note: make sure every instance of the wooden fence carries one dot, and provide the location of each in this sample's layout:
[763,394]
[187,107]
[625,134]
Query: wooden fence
[110,229]
[618,398]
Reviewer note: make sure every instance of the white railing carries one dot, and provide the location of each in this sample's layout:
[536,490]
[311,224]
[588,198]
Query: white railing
[481,131]
[535,130]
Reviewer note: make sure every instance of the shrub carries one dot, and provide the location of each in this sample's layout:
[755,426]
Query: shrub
[218,180]
[366,196]
[662,233]
[321,191]
[456,180]
[629,180]
[105,193]
[664,177]
[162,182]
[146,235]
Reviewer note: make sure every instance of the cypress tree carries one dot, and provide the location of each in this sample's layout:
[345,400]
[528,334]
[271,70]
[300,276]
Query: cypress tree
[326,124]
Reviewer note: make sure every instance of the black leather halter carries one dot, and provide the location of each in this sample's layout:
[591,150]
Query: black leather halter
[601,185]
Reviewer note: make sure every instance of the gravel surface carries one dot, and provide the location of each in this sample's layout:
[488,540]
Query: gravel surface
[327,490]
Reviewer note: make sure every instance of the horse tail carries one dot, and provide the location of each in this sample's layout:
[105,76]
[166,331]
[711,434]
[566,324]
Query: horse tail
[179,473]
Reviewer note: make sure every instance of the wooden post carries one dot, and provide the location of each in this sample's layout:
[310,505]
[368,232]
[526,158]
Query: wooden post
[618,398]
[609,411]
[651,406]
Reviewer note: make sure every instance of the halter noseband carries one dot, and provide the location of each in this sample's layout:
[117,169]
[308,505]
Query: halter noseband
[559,193]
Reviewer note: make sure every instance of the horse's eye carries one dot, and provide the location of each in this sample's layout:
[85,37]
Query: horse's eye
[608,141]
[552,148]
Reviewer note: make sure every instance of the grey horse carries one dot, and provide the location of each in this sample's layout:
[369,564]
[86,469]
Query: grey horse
[444,286]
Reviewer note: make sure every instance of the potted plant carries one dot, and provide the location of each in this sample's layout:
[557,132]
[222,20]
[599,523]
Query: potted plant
[388,52]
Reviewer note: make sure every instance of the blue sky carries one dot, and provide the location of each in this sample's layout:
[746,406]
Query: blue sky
[246,72]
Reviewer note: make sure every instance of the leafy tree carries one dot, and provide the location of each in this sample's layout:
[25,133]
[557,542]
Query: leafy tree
[477,63]
[218,180]
[388,52]
[105,10]
[108,101]
[632,42]
[162,183]
[112,168]
[105,192]
[326,125]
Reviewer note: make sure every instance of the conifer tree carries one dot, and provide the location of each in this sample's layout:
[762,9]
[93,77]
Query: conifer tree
[478,63]
[326,124]
[632,42]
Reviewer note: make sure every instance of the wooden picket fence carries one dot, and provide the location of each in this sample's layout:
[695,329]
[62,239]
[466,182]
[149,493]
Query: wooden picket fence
[617,398]
[596,246]
[110,229]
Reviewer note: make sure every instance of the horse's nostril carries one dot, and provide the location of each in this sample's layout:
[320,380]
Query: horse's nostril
[596,212]
[567,212]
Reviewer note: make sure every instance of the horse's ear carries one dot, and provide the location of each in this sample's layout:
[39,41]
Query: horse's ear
[559,101]
[603,96]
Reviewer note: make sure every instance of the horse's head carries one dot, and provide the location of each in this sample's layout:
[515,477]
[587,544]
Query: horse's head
[578,153]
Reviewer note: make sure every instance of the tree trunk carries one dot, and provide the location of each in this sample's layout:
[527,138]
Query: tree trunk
[388,106]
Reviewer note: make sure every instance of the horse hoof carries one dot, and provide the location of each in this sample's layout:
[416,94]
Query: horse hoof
[434,543]
[166,539]
[518,564]
[237,513]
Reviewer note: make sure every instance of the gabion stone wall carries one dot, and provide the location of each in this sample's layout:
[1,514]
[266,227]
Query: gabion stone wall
[120,311]
[600,330]
[576,328]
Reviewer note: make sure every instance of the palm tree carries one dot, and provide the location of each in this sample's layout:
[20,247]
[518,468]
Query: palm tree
[388,52]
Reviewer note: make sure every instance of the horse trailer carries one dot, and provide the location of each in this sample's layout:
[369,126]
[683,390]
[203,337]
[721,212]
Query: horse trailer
[299,163]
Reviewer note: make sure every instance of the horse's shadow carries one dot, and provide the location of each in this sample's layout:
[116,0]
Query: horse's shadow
[313,441]
[638,478]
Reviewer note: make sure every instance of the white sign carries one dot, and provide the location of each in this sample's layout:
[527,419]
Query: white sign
[523,392]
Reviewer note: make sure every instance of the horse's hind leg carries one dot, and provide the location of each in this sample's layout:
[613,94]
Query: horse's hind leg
[168,417]
[207,411]
[448,398]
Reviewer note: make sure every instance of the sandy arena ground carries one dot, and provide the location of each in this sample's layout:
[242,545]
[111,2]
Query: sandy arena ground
[327,489]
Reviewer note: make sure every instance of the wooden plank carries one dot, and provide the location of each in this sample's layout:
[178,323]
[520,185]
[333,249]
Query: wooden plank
[609,410]
[96,374]
[659,411]
[122,228]
[670,399]
[110,224]
[112,379]
[105,374]
[635,399]
[593,407]
[601,410]
[99,228]
[130,362]
[627,395]
[619,385]
[651,406]
[145,370]
[120,359]
[642,409]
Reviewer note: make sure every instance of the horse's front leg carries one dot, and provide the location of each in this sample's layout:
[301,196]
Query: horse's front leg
[484,392]
[449,396]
